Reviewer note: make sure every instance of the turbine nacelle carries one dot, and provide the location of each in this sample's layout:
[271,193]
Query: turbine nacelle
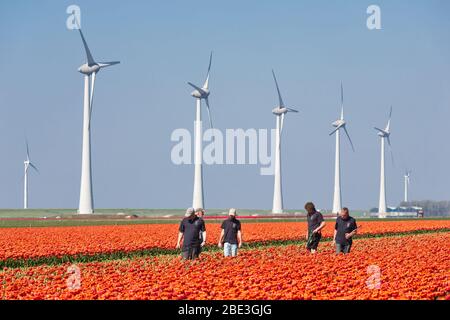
[383,133]
[200,93]
[282,110]
[338,123]
[89,69]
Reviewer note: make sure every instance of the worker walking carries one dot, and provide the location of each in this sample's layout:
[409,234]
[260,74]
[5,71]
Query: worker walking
[231,235]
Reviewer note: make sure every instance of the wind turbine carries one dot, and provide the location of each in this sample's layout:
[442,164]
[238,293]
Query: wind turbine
[407,178]
[27,164]
[339,124]
[200,94]
[89,70]
[384,135]
[280,113]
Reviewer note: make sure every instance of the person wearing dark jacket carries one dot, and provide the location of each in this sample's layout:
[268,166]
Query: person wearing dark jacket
[192,231]
[315,225]
[344,230]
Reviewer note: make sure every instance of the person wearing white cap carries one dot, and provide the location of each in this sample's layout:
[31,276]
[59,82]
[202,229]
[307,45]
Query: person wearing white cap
[231,235]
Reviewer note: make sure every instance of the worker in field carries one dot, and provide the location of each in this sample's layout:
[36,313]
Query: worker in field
[315,225]
[344,230]
[200,212]
[231,235]
[189,232]
[189,211]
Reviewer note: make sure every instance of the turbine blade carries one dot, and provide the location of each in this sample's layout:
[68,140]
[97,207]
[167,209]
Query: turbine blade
[334,131]
[380,130]
[107,64]
[292,110]
[210,60]
[390,148]
[282,123]
[89,57]
[280,100]
[28,150]
[392,157]
[342,102]
[206,84]
[196,88]
[349,139]
[91,98]
[34,167]
[388,126]
[209,113]
[389,141]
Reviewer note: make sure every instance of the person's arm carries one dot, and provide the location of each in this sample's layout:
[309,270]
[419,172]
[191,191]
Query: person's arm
[334,237]
[351,234]
[204,238]
[203,230]
[180,237]
[239,236]
[222,234]
[320,227]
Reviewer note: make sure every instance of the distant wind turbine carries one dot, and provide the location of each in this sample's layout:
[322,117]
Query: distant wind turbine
[384,135]
[280,113]
[90,70]
[27,164]
[200,94]
[339,124]
[407,178]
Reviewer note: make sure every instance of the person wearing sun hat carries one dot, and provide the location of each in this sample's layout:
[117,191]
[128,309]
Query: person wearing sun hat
[231,235]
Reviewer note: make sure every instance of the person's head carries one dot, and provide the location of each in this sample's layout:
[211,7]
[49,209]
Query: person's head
[189,212]
[310,208]
[199,212]
[232,213]
[344,213]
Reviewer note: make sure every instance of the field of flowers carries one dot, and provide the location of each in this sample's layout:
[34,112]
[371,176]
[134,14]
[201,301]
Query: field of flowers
[400,267]
[31,243]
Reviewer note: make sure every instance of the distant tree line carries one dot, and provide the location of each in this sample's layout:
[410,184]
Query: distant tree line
[430,208]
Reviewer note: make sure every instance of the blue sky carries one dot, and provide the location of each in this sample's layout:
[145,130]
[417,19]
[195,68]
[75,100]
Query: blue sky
[312,45]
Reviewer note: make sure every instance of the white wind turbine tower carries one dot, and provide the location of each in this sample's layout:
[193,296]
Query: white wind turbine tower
[339,124]
[200,94]
[280,113]
[407,178]
[27,164]
[90,70]
[384,135]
